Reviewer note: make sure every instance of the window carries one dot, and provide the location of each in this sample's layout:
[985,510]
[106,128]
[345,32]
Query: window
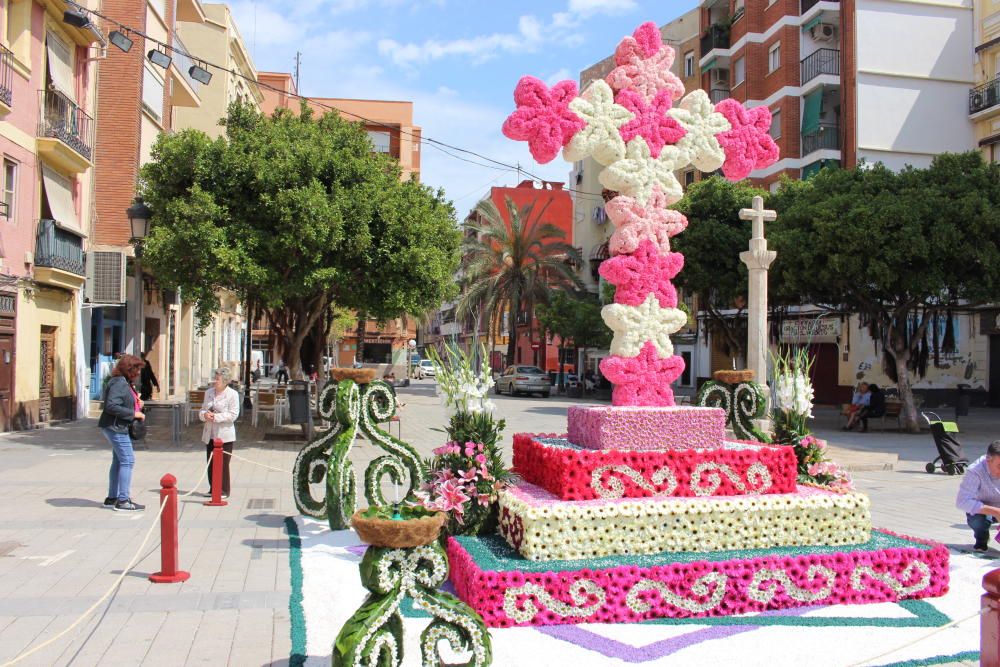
[775,130]
[689,64]
[380,140]
[9,185]
[152,92]
[60,60]
[774,57]
[773,187]
[739,71]
[688,177]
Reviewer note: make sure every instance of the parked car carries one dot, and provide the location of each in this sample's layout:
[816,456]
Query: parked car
[524,379]
[425,369]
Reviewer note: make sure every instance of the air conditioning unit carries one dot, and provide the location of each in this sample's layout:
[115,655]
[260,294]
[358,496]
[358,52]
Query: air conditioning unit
[823,32]
[720,77]
[105,277]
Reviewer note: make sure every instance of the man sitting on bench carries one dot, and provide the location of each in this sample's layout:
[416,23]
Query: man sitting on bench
[875,407]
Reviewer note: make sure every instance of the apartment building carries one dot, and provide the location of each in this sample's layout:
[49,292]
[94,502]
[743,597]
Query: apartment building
[47,94]
[217,40]
[140,91]
[553,206]
[391,129]
[984,97]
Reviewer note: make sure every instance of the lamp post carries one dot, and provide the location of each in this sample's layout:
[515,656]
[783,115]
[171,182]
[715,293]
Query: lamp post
[138,217]
[411,346]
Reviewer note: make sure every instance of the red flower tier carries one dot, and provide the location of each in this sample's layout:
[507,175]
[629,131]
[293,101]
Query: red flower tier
[572,472]
[508,590]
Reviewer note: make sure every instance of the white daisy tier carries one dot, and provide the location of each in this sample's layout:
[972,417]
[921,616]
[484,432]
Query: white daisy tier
[542,526]
[646,427]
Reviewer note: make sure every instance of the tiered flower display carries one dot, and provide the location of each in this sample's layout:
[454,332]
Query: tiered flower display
[644,509]
[628,122]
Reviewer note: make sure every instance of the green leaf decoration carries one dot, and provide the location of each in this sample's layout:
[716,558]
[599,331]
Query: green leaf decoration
[379,406]
[743,403]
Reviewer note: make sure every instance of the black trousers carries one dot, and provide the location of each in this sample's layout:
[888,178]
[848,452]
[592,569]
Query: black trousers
[226,447]
[282,374]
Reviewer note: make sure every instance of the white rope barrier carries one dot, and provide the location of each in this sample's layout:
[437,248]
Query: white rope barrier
[241,458]
[132,563]
[921,638]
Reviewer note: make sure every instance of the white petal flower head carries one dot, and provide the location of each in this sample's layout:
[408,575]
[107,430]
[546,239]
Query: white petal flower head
[634,325]
[600,138]
[639,172]
[697,115]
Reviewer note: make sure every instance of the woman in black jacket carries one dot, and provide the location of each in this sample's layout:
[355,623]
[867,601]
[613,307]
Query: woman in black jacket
[121,407]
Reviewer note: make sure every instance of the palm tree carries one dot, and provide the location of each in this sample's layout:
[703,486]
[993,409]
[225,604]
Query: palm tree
[513,265]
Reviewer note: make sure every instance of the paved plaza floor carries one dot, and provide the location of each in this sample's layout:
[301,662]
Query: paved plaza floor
[60,550]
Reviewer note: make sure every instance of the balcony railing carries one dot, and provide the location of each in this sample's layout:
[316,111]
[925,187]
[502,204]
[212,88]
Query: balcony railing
[184,62]
[60,118]
[806,5]
[717,95]
[716,37]
[827,138]
[58,249]
[985,96]
[824,61]
[6,76]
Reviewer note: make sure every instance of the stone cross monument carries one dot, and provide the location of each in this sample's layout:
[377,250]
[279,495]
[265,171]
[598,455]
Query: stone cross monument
[758,258]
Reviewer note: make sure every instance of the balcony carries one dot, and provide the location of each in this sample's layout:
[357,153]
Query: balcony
[58,256]
[716,37]
[6,80]
[826,138]
[717,95]
[984,97]
[186,91]
[824,61]
[65,132]
[806,5]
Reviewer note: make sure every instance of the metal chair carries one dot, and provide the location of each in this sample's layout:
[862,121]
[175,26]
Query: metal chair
[267,403]
[195,399]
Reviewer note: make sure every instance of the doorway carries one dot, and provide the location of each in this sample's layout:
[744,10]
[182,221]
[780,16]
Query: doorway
[995,370]
[825,373]
[106,338]
[151,346]
[6,378]
[47,373]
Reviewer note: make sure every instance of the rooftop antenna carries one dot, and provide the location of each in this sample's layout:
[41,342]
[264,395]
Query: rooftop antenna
[298,68]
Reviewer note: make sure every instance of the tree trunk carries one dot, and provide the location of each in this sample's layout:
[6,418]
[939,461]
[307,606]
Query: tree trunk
[512,334]
[908,416]
[362,325]
[562,366]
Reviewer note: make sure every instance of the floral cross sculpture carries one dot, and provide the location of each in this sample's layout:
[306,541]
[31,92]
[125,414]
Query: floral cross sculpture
[638,124]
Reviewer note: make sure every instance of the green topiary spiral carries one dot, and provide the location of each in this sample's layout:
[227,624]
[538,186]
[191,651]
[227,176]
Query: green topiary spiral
[311,463]
[373,636]
[378,405]
[743,403]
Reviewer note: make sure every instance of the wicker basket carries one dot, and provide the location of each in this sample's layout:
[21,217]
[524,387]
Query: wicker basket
[399,534]
[733,377]
[359,375]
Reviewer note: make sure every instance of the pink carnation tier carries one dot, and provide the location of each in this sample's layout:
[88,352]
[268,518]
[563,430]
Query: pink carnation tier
[541,526]
[646,428]
[508,590]
[571,472]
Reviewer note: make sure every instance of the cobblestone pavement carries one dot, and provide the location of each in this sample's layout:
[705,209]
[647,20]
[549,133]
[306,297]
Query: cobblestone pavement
[60,550]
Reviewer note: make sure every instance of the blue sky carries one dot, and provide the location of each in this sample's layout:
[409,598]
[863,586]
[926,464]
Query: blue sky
[458,61]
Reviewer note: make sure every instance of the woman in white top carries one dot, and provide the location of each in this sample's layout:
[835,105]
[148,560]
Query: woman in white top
[219,412]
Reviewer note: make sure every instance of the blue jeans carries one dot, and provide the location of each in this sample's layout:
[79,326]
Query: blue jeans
[980,525]
[122,462]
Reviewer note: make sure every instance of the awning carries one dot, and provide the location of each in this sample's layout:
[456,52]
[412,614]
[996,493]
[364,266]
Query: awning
[812,22]
[988,141]
[59,195]
[810,111]
[811,170]
[711,64]
[60,65]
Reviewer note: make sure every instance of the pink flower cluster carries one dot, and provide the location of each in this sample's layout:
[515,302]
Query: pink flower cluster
[449,489]
[486,590]
[569,473]
[646,428]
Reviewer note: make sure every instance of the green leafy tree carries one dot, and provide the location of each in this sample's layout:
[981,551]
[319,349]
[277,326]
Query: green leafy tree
[576,318]
[296,214]
[513,264]
[900,249]
[712,244]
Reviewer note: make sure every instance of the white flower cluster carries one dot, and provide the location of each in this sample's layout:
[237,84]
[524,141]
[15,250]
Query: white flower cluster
[794,394]
[587,598]
[591,529]
[464,388]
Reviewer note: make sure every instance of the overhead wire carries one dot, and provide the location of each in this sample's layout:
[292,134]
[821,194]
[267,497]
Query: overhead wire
[420,138]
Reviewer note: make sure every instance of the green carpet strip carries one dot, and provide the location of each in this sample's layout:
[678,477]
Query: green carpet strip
[298,655]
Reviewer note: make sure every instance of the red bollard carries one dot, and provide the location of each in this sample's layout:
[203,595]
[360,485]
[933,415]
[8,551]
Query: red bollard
[169,548]
[989,634]
[217,455]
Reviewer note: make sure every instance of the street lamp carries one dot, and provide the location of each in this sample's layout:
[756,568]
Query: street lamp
[138,218]
[412,345]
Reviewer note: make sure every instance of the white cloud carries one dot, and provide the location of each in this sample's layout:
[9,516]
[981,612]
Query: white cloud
[262,26]
[587,8]
[560,74]
[479,49]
